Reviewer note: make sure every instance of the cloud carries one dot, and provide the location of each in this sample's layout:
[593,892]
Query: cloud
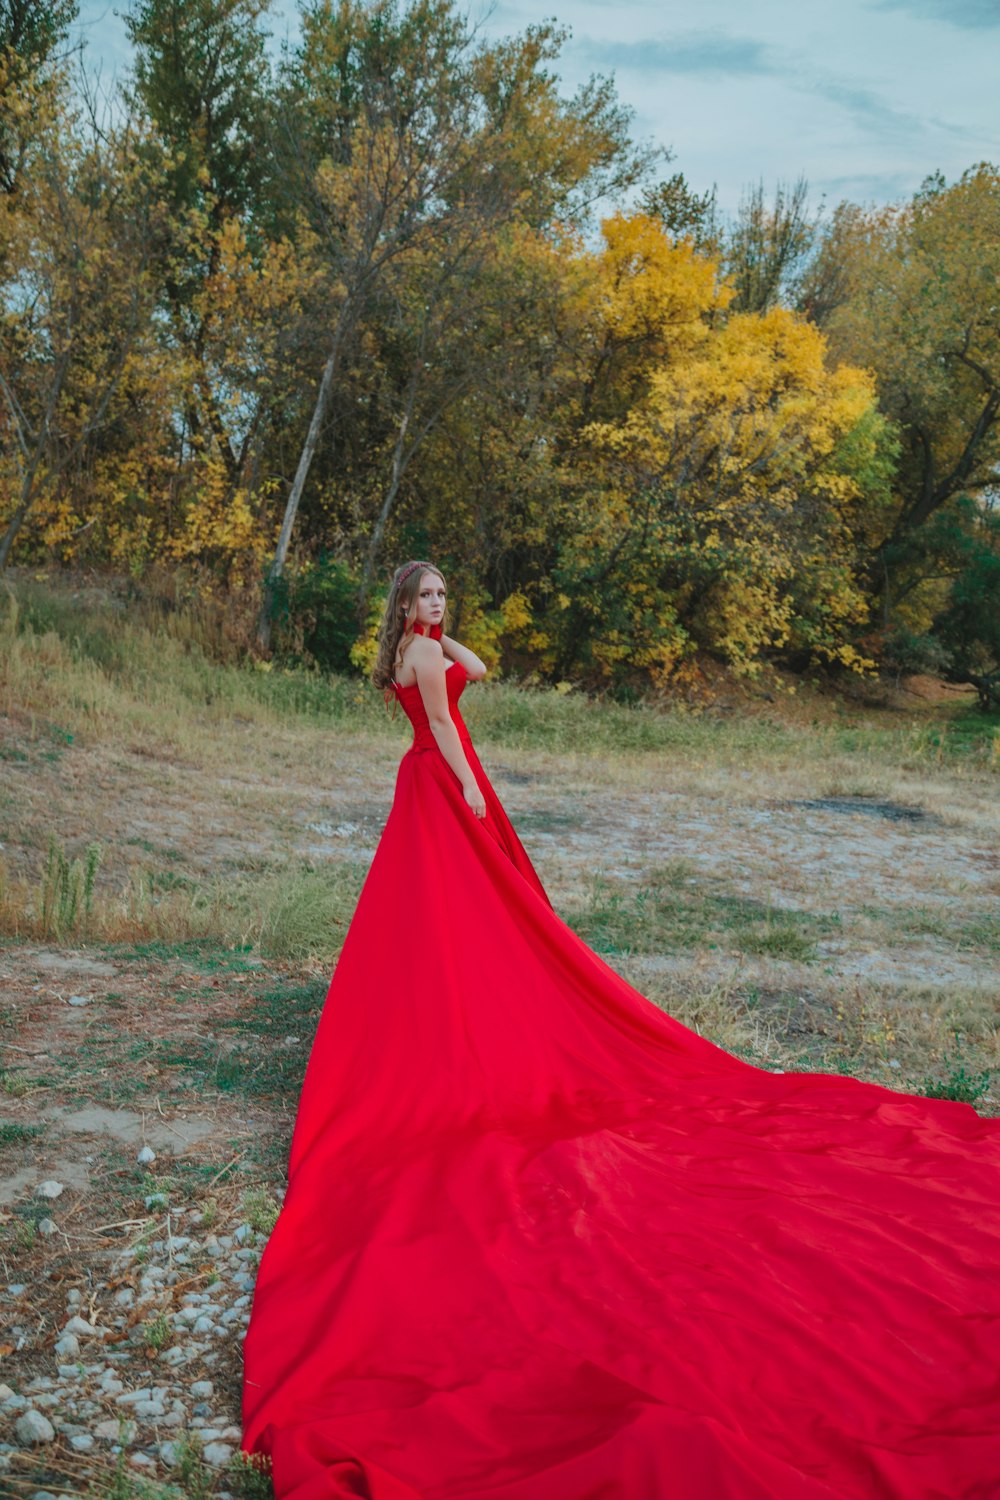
[878,187]
[867,109]
[970,15]
[687,52]
[706,53]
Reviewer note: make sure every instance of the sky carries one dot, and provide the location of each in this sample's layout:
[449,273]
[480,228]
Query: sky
[863,98]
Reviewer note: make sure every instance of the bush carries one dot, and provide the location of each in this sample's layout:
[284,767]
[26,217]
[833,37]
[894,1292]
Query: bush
[315,615]
[907,652]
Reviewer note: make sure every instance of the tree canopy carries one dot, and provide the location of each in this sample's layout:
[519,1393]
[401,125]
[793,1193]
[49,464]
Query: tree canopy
[277,319]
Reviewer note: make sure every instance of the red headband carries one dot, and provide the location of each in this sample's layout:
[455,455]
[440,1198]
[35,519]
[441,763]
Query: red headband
[406,573]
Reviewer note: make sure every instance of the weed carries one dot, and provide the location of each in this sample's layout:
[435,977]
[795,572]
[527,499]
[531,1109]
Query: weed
[249,1476]
[10,1132]
[67,889]
[261,1210]
[960,1084]
[15,1082]
[157,1332]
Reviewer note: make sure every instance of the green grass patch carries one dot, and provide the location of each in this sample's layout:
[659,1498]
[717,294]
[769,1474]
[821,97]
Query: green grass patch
[960,1083]
[274,1035]
[12,1133]
[674,911]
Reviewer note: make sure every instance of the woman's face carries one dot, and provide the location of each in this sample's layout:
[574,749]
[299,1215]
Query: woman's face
[430,600]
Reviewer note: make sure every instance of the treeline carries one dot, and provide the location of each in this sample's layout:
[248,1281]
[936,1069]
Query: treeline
[276,323]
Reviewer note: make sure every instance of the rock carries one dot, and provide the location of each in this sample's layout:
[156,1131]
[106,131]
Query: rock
[49,1188]
[217,1454]
[82,1443]
[125,1298]
[79,999]
[46,1226]
[174,1356]
[202,1325]
[116,1430]
[146,1155]
[74,1298]
[243,1234]
[147,1410]
[141,1461]
[168,1451]
[202,1389]
[81,1327]
[155,1200]
[5,1393]
[68,1345]
[31,1427]
[16,1289]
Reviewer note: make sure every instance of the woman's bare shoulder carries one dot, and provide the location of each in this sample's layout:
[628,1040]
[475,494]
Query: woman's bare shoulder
[421,653]
[424,649]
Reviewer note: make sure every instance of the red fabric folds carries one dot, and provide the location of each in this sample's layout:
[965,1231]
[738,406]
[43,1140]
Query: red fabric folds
[543,1242]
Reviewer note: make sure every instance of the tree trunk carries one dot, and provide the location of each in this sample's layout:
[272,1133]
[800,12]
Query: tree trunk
[295,494]
[17,520]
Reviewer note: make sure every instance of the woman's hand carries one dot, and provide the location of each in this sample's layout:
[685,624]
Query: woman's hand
[475,799]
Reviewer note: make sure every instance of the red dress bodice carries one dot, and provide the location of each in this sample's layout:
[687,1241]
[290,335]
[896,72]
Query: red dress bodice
[455,677]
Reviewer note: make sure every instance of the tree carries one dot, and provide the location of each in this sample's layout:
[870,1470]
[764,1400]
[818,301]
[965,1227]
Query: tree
[201,74]
[685,214]
[406,137]
[917,304]
[77,299]
[767,246]
[31,31]
[969,624]
[718,488]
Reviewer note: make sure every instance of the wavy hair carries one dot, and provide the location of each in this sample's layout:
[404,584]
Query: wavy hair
[395,629]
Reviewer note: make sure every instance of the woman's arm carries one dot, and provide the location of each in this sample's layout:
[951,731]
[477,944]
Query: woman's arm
[428,664]
[474,666]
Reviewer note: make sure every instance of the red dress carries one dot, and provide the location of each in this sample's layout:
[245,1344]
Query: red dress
[543,1242]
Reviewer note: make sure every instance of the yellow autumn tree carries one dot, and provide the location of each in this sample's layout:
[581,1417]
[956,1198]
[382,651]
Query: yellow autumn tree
[717,490]
[76,340]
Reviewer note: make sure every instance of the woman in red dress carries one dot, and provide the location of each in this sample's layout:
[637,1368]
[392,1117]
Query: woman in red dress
[541,1241]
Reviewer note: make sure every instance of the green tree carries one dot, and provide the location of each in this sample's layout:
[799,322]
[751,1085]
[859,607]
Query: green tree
[968,625]
[910,292]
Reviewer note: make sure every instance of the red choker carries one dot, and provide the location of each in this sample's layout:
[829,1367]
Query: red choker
[434,631]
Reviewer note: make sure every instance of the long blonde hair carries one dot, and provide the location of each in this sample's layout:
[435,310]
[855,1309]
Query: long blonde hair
[395,630]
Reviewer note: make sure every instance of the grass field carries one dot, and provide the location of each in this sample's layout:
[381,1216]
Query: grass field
[810,879]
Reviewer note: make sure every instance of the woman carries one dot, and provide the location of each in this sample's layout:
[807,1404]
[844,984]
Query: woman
[543,1242]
